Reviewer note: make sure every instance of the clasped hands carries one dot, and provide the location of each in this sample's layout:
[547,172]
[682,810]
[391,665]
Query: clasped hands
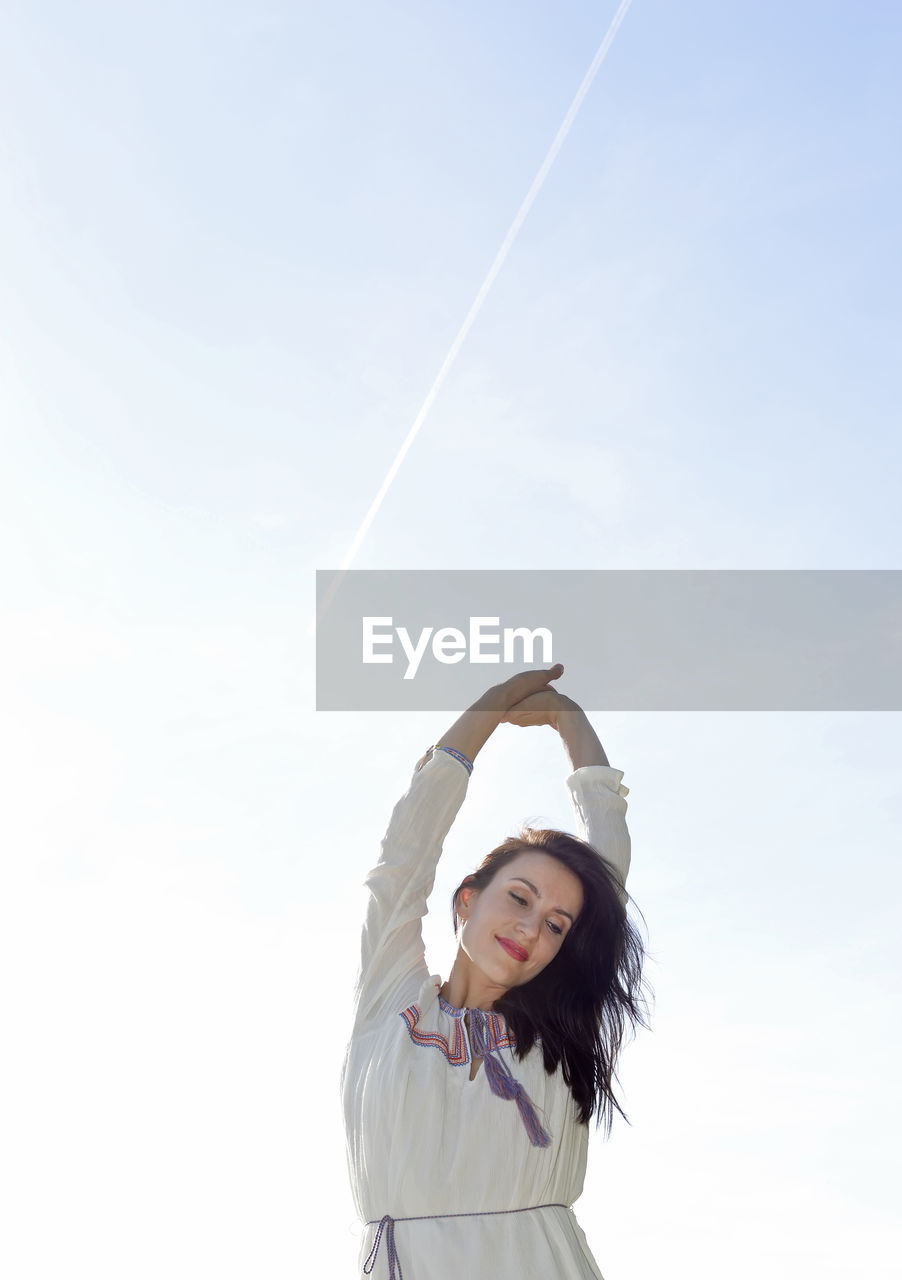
[528,699]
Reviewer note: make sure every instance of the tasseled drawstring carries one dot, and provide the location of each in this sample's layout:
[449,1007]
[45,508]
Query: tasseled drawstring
[501,1081]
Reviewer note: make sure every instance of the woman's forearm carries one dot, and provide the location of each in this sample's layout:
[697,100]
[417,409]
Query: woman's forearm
[580,740]
[472,730]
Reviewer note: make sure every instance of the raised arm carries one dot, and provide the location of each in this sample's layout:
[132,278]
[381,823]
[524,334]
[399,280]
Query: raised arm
[471,731]
[598,798]
[580,740]
[392,963]
[392,958]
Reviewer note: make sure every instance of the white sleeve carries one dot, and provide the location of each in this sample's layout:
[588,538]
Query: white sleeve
[392,957]
[599,801]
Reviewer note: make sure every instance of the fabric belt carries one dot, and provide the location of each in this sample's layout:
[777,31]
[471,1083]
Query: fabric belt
[386,1225]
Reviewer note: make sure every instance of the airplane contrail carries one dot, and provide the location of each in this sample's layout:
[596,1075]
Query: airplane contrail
[506,244]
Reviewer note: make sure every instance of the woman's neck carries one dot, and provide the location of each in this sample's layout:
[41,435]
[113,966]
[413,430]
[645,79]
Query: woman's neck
[467,987]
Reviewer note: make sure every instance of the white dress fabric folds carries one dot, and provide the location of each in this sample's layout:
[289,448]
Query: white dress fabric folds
[442,1169]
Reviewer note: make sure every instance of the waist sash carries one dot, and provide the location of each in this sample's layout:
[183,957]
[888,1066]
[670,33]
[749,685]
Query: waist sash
[386,1225]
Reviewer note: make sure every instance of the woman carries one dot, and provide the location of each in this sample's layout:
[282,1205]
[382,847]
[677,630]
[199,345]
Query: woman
[467,1101]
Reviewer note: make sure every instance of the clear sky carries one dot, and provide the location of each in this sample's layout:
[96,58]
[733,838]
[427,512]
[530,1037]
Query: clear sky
[237,241]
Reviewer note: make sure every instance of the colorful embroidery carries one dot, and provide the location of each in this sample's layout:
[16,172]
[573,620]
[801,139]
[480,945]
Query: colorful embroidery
[486,1038]
[457,1054]
[500,1038]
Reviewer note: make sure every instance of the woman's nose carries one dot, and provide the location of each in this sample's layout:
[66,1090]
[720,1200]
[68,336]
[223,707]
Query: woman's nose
[530,926]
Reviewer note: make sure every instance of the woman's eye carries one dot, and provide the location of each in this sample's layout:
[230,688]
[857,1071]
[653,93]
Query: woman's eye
[516,898]
[554,928]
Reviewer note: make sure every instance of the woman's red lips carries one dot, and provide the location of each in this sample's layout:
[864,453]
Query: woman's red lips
[513,950]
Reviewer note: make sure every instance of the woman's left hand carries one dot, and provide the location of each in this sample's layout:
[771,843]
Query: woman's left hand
[542,707]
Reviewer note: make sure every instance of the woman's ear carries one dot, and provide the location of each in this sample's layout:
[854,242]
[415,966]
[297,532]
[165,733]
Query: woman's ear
[464,899]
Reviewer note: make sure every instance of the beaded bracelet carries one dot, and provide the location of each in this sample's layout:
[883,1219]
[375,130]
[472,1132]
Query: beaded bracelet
[458,755]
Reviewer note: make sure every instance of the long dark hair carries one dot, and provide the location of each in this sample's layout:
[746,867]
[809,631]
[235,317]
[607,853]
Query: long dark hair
[582,1003]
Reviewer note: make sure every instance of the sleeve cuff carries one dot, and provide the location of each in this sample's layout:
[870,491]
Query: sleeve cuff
[602,773]
[439,758]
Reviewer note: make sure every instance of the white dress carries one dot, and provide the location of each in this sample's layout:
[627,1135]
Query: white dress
[424,1139]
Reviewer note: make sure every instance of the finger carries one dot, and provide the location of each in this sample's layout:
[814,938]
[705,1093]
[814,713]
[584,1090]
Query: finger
[539,679]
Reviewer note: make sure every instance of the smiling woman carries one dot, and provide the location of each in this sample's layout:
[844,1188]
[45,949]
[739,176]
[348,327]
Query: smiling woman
[546,978]
[582,966]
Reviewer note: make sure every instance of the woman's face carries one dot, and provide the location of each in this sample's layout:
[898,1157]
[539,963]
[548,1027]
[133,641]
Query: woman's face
[516,925]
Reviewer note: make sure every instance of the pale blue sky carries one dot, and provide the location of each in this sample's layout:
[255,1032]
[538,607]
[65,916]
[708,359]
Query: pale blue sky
[237,242]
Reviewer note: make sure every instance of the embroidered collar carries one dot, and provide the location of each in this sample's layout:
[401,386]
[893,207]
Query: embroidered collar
[454,1046]
[488,1035]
